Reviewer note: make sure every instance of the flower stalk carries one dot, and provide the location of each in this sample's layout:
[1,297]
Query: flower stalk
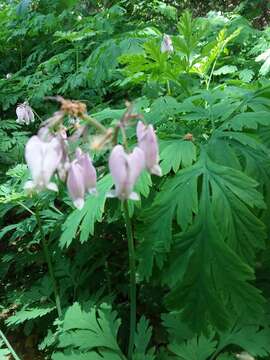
[50,266]
[132,276]
[10,348]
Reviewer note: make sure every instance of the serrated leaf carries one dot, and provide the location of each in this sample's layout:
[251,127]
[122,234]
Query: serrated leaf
[246,75]
[29,314]
[141,341]
[218,229]
[249,120]
[226,69]
[101,355]
[198,348]
[89,330]
[177,153]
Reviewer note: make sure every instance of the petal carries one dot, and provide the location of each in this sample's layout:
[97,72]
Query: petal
[30,113]
[20,112]
[118,164]
[75,183]
[136,164]
[149,145]
[52,186]
[89,172]
[79,203]
[52,154]
[156,170]
[140,130]
[34,156]
[134,196]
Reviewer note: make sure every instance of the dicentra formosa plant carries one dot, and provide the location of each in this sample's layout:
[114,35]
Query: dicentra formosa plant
[48,153]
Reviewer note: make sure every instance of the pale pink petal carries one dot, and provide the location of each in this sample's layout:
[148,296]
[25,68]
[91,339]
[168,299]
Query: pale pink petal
[75,184]
[140,130]
[34,156]
[52,154]
[89,171]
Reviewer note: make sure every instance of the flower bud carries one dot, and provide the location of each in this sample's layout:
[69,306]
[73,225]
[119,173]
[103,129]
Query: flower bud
[25,114]
[166,45]
[125,170]
[148,143]
[42,159]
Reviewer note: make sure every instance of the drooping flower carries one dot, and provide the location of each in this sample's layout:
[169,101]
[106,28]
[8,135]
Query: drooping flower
[81,178]
[125,170]
[166,44]
[89,171]
[148,143]
[75,184]
[42,158]
[25,114]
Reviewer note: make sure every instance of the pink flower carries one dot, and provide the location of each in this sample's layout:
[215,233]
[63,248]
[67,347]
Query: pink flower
[82,177]
[166,45]
[89,171]
[125,170]
[25,114]
[148,143]
[43,158]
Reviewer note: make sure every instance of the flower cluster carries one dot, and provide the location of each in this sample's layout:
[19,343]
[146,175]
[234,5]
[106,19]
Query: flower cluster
[47,154]
[126,168]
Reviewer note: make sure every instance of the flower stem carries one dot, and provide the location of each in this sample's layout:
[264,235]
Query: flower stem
[132,285]
[93,122]
[10,348]
[50,266]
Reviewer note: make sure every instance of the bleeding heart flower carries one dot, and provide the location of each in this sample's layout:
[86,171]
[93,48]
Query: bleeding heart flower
[89,171]
[75,184]
[25,114]
[148,143]
[82,177]
[125,170]
[43,158]
[166,45]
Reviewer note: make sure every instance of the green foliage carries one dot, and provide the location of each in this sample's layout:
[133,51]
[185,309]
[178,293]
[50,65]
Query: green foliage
[91,331]
[201,230]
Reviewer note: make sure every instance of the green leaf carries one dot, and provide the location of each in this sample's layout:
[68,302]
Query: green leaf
[212,244]
[246,75]
[142,339]
[198,348]
[101,355]
[249,120]
[250,338]
[177,153]
[28,314]
[226,69]
[88,330]
[83,221]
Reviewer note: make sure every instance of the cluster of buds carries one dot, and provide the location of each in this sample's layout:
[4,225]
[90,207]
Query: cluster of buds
[166,44]
[47,153]
[25,114]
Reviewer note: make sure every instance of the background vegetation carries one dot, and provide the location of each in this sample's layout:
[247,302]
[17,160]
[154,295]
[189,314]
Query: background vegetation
[202,230]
